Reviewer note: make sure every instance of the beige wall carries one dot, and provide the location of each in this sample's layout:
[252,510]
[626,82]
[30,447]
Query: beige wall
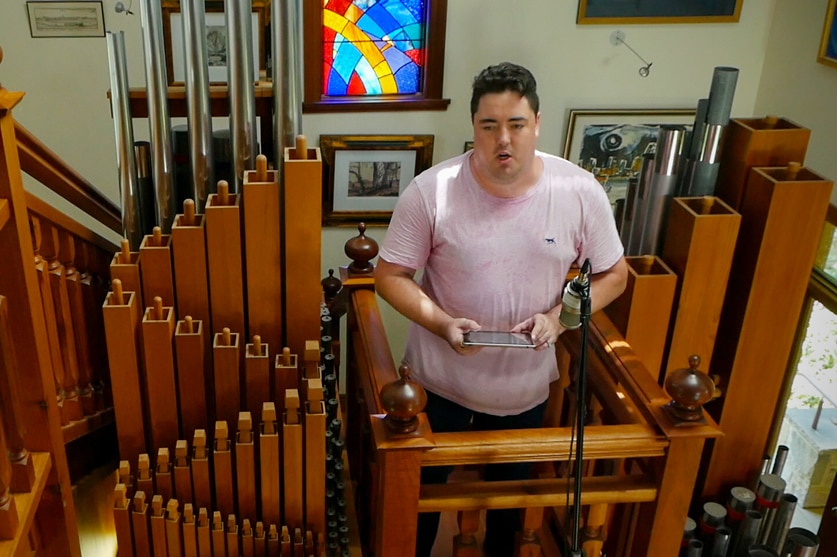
[795,86]
[774,46]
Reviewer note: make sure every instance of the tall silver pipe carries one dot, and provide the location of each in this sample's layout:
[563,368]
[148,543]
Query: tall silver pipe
[197,101]
[156,83]
[286,51]
[640,202]
[240,80]
[780,460]
[126,164]
[748,532]
[662,187]
[781,523]
[721,541]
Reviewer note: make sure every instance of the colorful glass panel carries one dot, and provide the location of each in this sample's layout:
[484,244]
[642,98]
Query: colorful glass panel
[373,47]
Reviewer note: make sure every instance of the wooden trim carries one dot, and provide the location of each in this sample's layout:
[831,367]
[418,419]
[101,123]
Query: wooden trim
[4,213]
[27,504]
[49,213]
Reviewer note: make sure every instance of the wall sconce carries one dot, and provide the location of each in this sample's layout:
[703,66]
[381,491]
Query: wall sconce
[619,37]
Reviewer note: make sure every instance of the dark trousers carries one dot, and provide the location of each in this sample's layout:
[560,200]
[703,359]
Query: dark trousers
[500,525]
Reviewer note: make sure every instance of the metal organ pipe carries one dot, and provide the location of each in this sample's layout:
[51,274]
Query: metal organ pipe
[197,101]
[240,80]
[156,83]
[286,50]
[124,134]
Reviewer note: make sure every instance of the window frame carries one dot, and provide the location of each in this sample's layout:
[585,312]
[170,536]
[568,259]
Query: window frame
[429,99]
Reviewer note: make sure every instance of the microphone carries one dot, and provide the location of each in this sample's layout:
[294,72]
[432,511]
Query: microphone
[570,316]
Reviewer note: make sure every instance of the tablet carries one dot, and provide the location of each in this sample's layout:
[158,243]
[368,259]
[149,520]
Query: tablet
[498,338]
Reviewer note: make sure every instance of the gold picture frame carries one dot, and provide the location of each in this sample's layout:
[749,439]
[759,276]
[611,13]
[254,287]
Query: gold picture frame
[828,44]
[608,12]
[173,38]
[363,175]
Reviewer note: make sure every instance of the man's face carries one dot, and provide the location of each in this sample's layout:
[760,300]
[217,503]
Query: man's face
[505,134]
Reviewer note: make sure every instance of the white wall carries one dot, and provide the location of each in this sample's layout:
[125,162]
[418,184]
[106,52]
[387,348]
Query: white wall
[795,86]
[576,66]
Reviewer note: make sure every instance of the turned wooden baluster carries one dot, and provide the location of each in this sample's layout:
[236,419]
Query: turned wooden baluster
[50,250]
[70,257]
[42,270]
[94,291]
[465,542]
[14,426]
[9,521]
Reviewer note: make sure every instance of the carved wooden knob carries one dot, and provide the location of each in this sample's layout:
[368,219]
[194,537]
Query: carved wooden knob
[689,389]
[361,250]
[403,399]
[331,285]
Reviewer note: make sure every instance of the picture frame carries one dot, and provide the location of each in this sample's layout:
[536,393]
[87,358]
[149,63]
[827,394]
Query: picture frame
[828,44]
[610,142]
[216,40]
[468,146]
[66,19]
[363,175]
[610,12]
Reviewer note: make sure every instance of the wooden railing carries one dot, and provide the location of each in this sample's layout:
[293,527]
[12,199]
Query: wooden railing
[53,282]
[640,467]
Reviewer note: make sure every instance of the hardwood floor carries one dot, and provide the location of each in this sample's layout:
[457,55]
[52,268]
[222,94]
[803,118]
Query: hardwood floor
[93,497]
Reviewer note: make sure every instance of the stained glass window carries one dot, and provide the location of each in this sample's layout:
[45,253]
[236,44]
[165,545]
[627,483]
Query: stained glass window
[373,47]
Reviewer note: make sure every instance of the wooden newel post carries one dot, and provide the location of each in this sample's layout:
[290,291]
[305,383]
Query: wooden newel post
[401,436]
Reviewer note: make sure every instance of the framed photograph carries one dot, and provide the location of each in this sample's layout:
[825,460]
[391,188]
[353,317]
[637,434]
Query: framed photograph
[216,39]
[66,19]
[365,174]
[610,143]
[828,43]
[609,12]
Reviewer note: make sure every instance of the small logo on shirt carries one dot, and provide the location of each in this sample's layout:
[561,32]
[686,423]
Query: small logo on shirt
[549,241]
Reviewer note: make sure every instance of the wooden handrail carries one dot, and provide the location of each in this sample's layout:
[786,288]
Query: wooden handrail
[37,160]
[59,219]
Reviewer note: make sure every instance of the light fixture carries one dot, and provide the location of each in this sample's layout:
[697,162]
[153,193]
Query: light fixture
[619,37]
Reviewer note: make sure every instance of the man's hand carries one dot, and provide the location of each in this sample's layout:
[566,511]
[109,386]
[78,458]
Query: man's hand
[544,328]
[455,331]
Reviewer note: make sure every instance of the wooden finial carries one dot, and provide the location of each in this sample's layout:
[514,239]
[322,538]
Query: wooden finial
[157,236]
[226,337]
[261,168]
[268,418]
[301,149]
[223,192]
[125,254]
[245,427]
[139,502]
[706,204]
[286,356]
[158,308]
[222,436]
[647,264]
[189,212]
[118,296]
[188,325]
[257,345]
[792,170]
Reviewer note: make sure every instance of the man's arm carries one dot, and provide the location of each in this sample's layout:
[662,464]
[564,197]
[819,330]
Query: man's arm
[395,284]
[608,285]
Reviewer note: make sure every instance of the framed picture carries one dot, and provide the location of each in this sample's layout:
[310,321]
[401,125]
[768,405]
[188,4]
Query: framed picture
[66,19]
[609,12]
[468,146]
[828,43]
[216,39]
[365,174]
[610,143]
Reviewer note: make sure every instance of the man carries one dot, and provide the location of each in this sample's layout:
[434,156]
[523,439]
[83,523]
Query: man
[494,231]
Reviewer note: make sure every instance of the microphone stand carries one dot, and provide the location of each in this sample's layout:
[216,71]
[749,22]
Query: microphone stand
[581,412]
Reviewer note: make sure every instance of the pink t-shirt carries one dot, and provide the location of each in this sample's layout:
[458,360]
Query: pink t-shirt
[498,261]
